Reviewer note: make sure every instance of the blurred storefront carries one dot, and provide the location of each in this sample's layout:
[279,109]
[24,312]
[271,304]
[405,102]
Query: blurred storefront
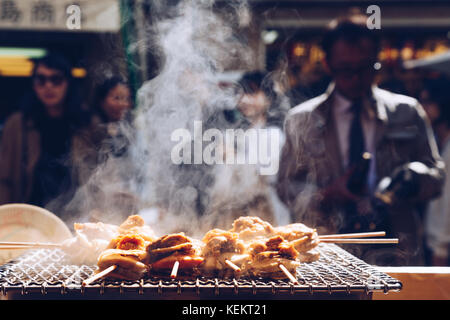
[291,33]
[113,36]
[86,32]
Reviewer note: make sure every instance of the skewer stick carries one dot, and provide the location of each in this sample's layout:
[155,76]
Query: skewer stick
[288,274]
[14,245]
[17,247]
[354,235]
[173,275]
[362,241]
[99,275]
[232,266]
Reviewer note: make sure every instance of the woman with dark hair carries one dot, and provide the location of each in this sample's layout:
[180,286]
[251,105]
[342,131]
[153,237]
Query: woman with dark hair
[99,155]
[112,100]
[259,114]
[36,141]
[106,134]
[260,104]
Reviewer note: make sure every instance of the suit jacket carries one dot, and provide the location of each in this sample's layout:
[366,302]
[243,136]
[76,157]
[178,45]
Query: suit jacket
[311,160]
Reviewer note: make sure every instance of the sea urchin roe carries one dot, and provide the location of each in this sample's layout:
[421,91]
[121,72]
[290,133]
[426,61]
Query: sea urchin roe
[131,242]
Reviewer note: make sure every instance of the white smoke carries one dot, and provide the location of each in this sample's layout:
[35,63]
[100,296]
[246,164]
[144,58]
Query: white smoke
[196,46]
[195,43]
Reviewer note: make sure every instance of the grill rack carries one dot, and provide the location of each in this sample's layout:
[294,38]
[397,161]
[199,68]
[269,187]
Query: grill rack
[44,272]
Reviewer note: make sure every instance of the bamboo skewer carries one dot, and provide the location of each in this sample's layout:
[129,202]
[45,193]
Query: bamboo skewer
[173,275]
[8,245]
[99,275]
[360,241]
[350,238]
[288,274]
[18,247]
[354,235]
[232,266]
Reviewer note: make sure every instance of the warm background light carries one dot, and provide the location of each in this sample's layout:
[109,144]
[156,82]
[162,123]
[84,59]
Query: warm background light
[17,62]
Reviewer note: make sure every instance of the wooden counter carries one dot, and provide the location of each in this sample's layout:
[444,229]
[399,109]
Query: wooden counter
[419,283]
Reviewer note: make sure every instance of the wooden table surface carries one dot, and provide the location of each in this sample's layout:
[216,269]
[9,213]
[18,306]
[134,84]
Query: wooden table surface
[419,283]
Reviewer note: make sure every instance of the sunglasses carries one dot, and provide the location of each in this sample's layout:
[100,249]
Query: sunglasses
[55,80]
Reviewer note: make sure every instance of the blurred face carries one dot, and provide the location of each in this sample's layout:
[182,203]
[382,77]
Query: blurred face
[50,87]
[254,105]
[117,102]
[351,66]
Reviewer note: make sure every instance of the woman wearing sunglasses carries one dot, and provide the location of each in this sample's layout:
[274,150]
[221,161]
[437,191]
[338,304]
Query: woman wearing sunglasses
[36,140]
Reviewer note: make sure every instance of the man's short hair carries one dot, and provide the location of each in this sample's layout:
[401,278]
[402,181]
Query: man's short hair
[352,29]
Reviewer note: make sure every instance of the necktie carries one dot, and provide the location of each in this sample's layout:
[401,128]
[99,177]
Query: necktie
[356,221]
[356,136]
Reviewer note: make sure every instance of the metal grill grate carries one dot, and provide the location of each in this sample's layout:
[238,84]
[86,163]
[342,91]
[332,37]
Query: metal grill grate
[44,271]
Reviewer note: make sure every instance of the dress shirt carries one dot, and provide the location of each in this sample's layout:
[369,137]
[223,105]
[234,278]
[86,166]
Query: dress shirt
[343,117]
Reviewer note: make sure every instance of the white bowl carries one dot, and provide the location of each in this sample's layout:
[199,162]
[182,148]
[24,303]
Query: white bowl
[26,223]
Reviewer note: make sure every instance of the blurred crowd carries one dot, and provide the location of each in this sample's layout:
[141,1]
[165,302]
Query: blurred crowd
[56,139]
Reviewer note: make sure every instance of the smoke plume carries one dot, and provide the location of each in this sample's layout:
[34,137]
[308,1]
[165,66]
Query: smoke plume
[194,42]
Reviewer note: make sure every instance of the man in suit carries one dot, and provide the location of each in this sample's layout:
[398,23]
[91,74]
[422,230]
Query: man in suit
[327,136]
